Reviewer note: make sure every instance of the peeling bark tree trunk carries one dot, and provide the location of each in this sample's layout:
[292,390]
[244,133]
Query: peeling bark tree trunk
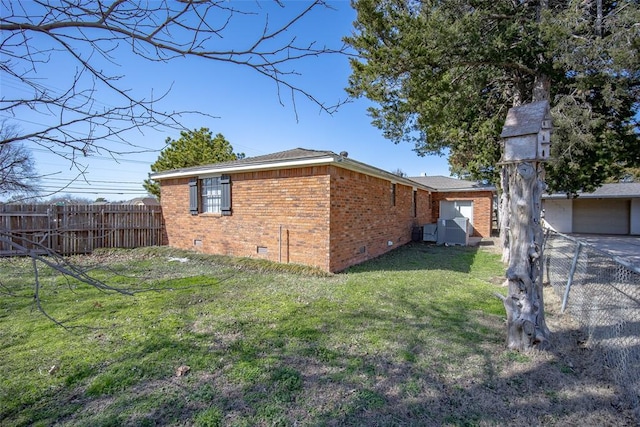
[526,326]
[523,185]
[504,213]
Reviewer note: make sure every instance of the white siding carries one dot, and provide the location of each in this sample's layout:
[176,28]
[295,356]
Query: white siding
[635,217]
[558,214]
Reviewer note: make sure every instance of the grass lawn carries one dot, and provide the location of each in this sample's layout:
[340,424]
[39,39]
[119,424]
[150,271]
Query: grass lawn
[414,338]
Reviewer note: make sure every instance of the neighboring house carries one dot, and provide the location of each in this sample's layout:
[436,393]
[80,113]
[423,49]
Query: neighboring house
[298,206]
[142,201]
[611,209]
[453,198]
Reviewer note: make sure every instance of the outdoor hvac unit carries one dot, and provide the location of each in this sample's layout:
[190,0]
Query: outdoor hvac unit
[430,232]
[453,231]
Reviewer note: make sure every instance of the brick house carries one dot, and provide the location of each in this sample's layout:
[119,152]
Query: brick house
[298,206]
[452,197]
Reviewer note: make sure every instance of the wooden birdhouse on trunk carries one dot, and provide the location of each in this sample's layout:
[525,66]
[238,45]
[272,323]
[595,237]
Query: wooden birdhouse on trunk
[526,134]
[526,142]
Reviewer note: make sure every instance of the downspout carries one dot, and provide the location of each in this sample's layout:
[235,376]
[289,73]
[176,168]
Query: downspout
[280,245]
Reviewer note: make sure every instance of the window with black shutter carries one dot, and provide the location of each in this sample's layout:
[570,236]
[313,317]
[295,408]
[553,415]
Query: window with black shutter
[193,196]
[225,202]
[415,203]
[393,194]
[210,195]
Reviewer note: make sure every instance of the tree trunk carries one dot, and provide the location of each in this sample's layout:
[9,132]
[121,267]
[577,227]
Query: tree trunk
[599,18]
[504,213]
[541,87]
[523,185]
[526,326]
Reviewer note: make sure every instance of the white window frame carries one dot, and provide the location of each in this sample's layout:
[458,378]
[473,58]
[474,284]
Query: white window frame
[211,195]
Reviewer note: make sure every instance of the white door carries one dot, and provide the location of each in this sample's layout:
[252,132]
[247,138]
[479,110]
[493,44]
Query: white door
[456,209]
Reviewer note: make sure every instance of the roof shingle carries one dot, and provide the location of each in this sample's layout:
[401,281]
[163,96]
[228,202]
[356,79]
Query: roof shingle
[614,190]
[525,119]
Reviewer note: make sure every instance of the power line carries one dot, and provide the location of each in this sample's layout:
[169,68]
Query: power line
[97,157]
[89,181]
[92,187]
[65,191]
[144,149]
[81,184]
[77,172]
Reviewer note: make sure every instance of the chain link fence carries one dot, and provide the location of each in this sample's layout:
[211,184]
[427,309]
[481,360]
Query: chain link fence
[602,292]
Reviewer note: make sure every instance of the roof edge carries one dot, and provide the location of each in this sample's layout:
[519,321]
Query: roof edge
[329,159]
[490,189]
[251,167]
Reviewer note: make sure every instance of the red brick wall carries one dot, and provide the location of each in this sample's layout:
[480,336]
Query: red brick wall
[482,208]
[364,219]
[322,216]
[284,211]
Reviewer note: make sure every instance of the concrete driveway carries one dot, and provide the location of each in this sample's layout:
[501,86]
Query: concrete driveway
[626,248]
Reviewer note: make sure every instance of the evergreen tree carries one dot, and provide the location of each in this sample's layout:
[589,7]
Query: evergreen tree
[444,74]
[193,148]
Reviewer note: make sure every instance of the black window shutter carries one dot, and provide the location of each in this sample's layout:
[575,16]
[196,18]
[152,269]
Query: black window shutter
[193,196]
[225,203]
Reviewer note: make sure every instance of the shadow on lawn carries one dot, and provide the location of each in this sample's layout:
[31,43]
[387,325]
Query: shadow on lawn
[544,393]
[448,368]
[444,366]
[422,256]
[426,388]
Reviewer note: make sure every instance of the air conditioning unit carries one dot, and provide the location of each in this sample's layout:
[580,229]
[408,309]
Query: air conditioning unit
[430,232]
[453,231]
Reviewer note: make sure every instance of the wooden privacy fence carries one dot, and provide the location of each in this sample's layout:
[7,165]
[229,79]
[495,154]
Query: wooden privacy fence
[78,229]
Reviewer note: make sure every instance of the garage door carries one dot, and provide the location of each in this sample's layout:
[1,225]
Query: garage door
[601,216]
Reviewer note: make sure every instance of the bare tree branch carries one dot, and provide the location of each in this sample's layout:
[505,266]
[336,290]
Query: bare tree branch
[42,254]
[88,34]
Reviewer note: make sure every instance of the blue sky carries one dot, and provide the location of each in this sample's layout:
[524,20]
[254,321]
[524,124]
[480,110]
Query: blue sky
[246,107]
